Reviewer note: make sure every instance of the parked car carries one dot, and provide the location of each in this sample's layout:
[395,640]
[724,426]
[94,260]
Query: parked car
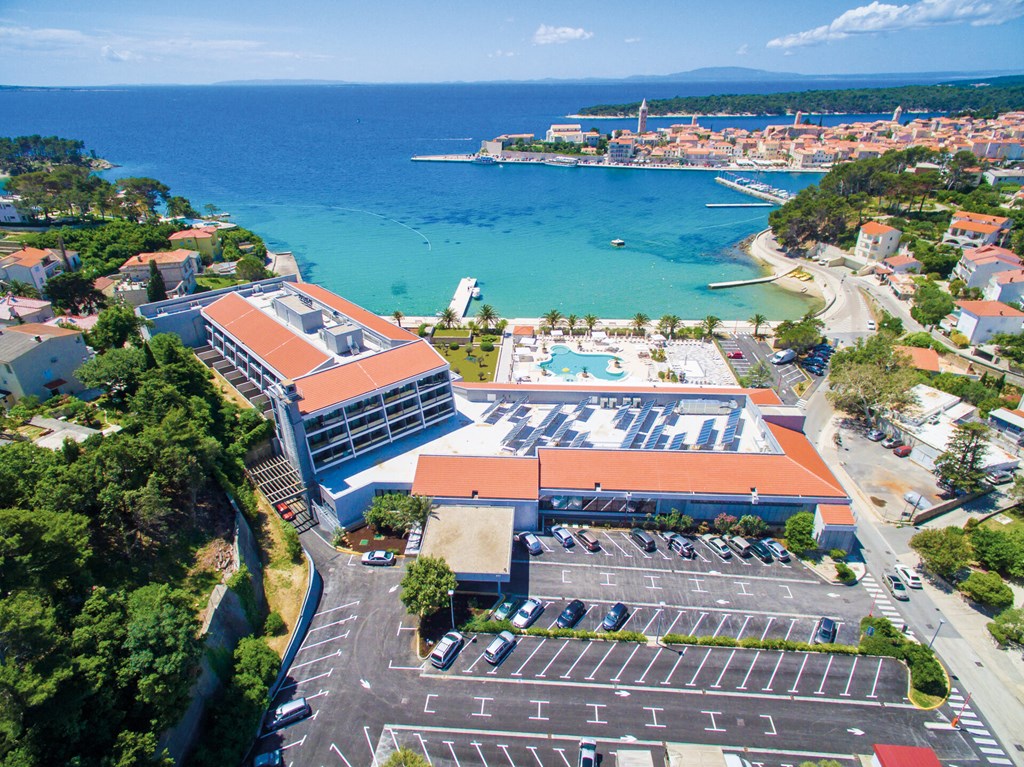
[378,558]
[571,614]
[506,609]
[615,618]
[896,587]
[446,649]
[287,713]
[563,536]
[826,631]
[916,500]
[736,355]
[531,543]
[589,540]
[892,442]
[876,435]
[776,549]
[588,753]
[643,539]
[760,550]
[682,545]
[872,325]
[500,647]
[999,477]
[284,510]
[739,545]
[814,370]
[782,357]
[717,545]
[909,577]
[528,613]
[273,758]
[903,451]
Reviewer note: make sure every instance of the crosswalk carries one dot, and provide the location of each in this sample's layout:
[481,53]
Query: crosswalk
[983,739]
[882,604]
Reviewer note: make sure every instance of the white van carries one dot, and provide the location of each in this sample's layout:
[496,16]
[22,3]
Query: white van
[782,357]
[290,712]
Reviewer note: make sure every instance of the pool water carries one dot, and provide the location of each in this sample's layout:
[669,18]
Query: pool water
[568,364]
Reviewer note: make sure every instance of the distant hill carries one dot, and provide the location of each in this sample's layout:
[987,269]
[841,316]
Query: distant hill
[283,82]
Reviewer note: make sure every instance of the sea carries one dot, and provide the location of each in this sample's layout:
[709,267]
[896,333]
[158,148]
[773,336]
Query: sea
[326,172]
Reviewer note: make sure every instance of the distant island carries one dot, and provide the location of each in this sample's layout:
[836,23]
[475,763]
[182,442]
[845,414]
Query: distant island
[993,96]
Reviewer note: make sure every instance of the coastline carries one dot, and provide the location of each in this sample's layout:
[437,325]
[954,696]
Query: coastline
[763,249]
[698,115]
[283,264]
[469,158]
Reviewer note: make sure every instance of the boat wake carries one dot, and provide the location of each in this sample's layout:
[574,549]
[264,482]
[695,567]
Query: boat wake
[385,218]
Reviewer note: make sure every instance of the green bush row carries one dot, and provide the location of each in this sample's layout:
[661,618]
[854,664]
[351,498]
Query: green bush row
[481,625]
[753,643]
[926,673]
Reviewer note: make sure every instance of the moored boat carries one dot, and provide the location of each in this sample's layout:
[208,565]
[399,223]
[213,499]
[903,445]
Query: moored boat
[484,159]
[619,243]
[562,162]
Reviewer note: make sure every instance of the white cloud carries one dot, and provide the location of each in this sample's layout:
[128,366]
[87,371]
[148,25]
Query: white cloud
[631,40]
[545,35]
[743,50]
[23,38]
[882,17]
[111,54]
[500,54]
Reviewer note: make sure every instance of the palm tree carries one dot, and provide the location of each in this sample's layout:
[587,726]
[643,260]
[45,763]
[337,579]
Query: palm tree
[572,321]
[448,318]
[552,318]
[709,325]
[590,320]
[487,317]
[397,316]
[757,321]
[23,289]
[668,324]
[639,323]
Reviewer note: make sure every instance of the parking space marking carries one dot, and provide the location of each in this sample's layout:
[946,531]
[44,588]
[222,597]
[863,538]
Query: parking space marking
[426,704]
[679,658]
[601,662]
[846,693]
[720,624]
[796,682]
[743,627]
[540,703]
[519,671]
[504,747]
[373,751]
[304,681]
[423,745]
[651,621]
[586,647]
[789,592]
[874,685]
[693,631]
[616,545]
[337,750]
[718,682]
[561,752]
[619,675]
[652,579]
[597,719]
[536,562]
[821,687]
[693,681]
[451,748]
[635,545]
[679,614]
[768,626]
[471,665]
[654,717]
[553,659]
[564,574]
[792,623]
[743,589]
[322,641]
[478,744]
[696,584]
[743,684]
[533,750]
[643,676]
[771,681]
[334,609]
[316,660]
[607,579]
[713,727]
[483,706]
[336,623]
[771,723]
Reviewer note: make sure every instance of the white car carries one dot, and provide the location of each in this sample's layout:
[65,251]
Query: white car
[378,558]
[528,613]
[909,577]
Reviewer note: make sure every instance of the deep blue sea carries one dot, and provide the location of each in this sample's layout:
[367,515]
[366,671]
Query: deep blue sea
[325,171]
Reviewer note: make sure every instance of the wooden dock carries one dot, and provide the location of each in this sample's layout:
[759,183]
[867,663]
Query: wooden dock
[463,296]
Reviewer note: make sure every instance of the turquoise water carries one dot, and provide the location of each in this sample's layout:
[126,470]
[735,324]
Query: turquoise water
[326,173]
[568,364]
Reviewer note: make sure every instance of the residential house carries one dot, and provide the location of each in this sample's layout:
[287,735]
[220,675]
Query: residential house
[16,310]
[39,360]
[35,266]
[571,134]
[968,229]
[1007,287]
[205,240]
[177,267]
[977,265]
[620,150]
[926,360]
[902,264]
[980,320]
[9,213]
[876,241]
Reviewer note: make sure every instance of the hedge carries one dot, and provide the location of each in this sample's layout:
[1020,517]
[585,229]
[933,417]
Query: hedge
[481,625]
[926,673]
[753,643]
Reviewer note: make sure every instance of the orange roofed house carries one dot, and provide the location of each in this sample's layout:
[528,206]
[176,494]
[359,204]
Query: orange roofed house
[972,230]
[178,268]
[876,242]
[34,266]
[205,240]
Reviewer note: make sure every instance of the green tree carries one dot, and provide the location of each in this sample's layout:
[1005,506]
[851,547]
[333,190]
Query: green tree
[758,321]
[590,320]
[943,551]
[552,318]
[180,207]
[962,465]
[798,335]
[800,532]
[752,526]
[116,326]
[639,323]
[23,289]
[155,288]
[487,317]
[668,324]
[118,371]
[709,325]
[250,268]
[405,757]
[397,316]
[871,377]
[987,589]
[448,318]
[998,550]
[571,322]
[1009,626]
[74,293]
[141,196]
[398,513]
[426,584]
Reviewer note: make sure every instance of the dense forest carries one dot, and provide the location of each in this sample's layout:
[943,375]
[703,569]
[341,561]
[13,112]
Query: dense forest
[918,98]
[98,629]
[23,154]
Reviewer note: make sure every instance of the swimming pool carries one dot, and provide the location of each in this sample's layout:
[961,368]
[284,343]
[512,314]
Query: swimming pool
[568,364]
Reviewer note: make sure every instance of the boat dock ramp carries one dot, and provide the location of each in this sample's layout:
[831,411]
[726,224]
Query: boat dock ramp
[755,281]
[463,296]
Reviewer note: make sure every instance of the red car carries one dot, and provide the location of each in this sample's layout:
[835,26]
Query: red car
[286,513]
[902,451]
[736,355]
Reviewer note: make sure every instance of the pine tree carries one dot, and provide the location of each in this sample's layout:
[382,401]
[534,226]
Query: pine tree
[962,465]
[155,288]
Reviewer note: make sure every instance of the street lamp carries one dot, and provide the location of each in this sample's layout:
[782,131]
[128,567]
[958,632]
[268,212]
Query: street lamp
[936,634]
[451,605]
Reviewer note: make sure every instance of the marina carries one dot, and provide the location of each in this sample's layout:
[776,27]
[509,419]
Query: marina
[464,294]
[754,188]
[739,205]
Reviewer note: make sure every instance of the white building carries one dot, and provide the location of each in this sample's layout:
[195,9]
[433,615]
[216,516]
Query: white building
[9,213]
[977,265]
[876,242]
[1007,287]
[572,134]
[980,320]
[969,230]
[39,360]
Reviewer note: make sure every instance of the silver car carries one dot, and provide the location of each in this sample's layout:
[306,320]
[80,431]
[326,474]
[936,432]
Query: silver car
[528,613]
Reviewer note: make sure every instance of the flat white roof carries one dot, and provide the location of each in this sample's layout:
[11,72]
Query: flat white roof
[475,541]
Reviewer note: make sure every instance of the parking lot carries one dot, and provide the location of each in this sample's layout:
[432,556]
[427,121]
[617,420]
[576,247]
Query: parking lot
[370,692]
[784,377]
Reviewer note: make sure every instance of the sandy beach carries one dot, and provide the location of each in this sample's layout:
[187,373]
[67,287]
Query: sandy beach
[763,248]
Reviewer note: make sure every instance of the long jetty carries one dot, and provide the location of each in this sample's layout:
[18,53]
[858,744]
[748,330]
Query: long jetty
[463,296]
[755,281]
[772,198]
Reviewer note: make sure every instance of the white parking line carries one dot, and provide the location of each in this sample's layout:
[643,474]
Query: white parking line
[423,745]
[693,631]
[821,687]
[333,609]
[768,626]
[471,665]
[796,682]
[718,682]
[679,615]
[478,744]
[450,745]
[644,675]
[743,684]
[616,545]
[619,675]
[504,748]
[337,750]
[553,659]
[569,672]
[651,621]
[601,662]
[878,673]
[792,623]
[316,660]
[846,692]
[693,681]
[519,671]
[744,626]
[675,665]
[533,750]
[721,623]
[771,681]
[322,641]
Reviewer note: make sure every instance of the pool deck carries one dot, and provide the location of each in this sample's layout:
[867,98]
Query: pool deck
[601,369]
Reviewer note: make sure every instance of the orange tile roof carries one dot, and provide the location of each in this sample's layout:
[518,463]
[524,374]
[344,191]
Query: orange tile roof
[902,260]
[39,329]
[989,309]
[873,227]
[799,472]
[202,233]
[522,330]
[922,359]
[460,476]
[161,257]
[989,252]
[971,226]
[1006,278]
[29,257]
[836,515]
[284,351]
[356,313]
[354,379]
[979,218]
[757,396]
[906,756]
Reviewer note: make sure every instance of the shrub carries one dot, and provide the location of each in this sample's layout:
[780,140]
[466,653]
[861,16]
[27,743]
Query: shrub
[751,525]
[837,555]
[717,641]
[486,346]
[844,573]
[988,589]
[421,331]
[800,532]
[926,673]
[292,542]
[481,624]
[1008,627]
[453,346]
[274,624]
[724,523]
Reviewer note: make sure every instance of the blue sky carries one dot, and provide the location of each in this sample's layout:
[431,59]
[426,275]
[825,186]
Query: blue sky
[68,42]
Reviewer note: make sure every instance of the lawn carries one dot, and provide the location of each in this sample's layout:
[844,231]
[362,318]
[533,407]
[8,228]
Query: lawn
[206,282]
[471,363]
[1016,521]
